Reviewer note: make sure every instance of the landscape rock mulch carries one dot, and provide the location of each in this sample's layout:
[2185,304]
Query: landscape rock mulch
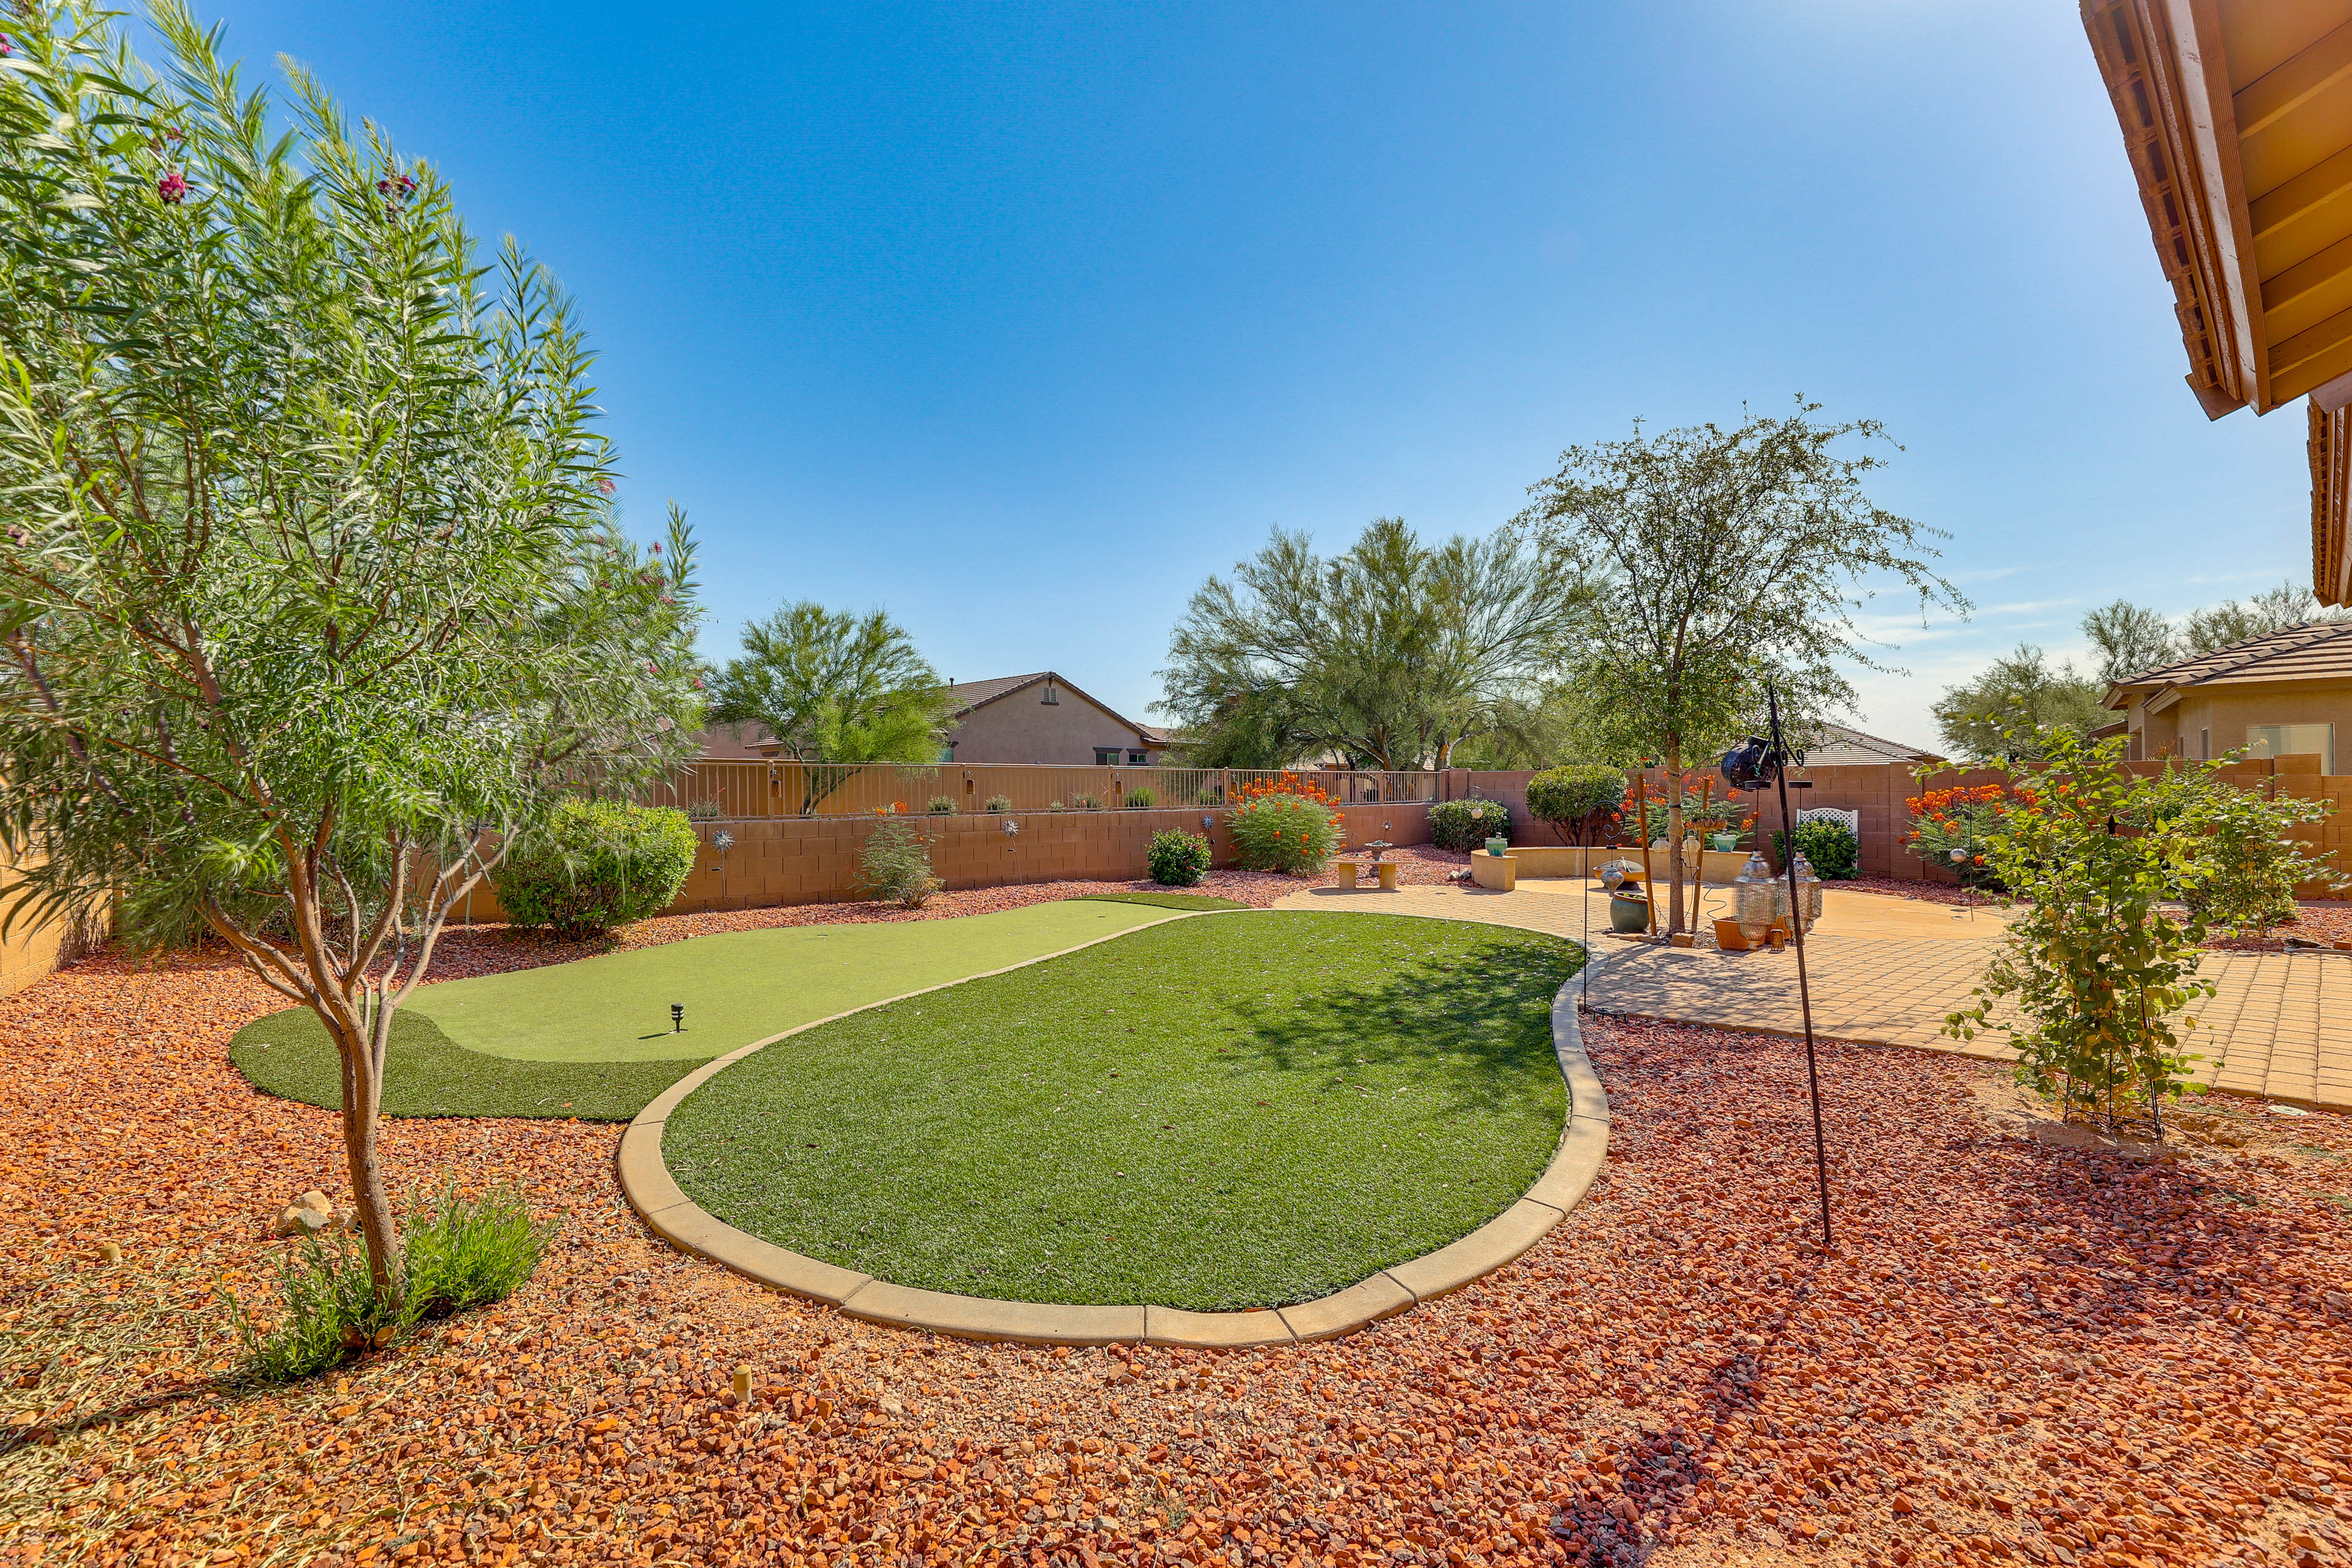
[2018,1353]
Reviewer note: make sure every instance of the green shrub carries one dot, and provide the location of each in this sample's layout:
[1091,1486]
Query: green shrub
[1140,800]
[1580,800]
[597,865]
[1178,859]
[1283,833]
[1054,805]
[460,1253]
[1468,824]
[702,811]
[2249,868]
[1210,794]
[1830,848]
[1084,803]
[941,806]
[897,864]
[997,803]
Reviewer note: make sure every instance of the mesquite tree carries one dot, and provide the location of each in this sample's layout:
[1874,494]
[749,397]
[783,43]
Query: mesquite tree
[311,600]
[1721,559]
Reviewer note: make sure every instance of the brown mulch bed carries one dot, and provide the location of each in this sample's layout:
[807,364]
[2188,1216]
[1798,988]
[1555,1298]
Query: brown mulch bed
[2021,1352]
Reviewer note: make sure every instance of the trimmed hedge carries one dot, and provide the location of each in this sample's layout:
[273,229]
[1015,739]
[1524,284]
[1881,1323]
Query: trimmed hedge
[1831,847]
[597,865]
[1464,824]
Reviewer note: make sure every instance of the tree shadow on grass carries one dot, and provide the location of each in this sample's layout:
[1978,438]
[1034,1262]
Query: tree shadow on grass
[1473,1024]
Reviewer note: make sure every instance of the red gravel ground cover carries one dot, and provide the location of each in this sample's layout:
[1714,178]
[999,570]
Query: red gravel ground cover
[2328,922]
[2022,1352]
[1911,888]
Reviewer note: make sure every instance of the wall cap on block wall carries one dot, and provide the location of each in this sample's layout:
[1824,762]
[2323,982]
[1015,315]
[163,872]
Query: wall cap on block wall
[1574,1166]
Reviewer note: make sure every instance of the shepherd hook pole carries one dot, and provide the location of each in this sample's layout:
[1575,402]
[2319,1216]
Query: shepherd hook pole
[1804,992]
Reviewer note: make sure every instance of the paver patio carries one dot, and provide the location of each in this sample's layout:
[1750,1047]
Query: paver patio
[2281,1026]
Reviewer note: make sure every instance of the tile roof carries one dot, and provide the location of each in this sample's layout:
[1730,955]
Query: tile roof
[1841,746]
[2309,650]
[970,694]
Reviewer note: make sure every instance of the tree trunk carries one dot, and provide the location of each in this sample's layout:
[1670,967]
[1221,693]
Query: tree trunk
[362,1104]
[1674,838]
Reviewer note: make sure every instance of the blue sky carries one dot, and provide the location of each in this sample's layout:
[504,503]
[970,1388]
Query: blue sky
[1020,320]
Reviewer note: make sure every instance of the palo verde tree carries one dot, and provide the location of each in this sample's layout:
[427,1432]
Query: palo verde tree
[1388,653]
[837,690]
[311,600]
[1721,559]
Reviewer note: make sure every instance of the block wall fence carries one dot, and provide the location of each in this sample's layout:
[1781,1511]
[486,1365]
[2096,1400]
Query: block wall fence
[1880,794]
[778,860]
[814,859]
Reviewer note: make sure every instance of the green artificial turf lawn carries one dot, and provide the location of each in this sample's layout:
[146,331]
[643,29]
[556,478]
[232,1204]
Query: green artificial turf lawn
[581,1039]
[1214,1115]
[1163,900]
[742,986]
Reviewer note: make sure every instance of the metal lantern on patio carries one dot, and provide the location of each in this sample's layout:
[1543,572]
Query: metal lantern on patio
[1758,900]
[1808,889]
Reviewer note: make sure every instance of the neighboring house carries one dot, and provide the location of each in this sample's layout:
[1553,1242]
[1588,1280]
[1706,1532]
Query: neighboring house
[2288,693]
[737,744]
[1840,747]
[1037,718]
[1042,717]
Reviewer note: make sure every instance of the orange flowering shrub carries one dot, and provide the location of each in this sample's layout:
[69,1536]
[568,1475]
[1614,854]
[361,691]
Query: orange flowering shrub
[1950,827]
[1279,829]
[1289,784]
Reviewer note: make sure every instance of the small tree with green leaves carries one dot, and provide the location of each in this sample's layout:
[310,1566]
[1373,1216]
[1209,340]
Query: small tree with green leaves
[838,691]
[2099,962]
[310,601]
[1579,800]
[1721,559]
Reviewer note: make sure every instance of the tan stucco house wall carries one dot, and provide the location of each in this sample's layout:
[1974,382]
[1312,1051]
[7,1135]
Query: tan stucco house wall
[1013,722]
[2209,721]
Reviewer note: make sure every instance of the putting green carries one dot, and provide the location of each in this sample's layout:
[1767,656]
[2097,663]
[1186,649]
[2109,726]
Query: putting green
[743,987]
[590,1039]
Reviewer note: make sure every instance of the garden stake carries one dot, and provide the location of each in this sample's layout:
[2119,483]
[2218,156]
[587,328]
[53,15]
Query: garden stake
[1797,934]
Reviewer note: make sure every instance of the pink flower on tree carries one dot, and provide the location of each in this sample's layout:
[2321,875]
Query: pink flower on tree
[173,188]
[605,486]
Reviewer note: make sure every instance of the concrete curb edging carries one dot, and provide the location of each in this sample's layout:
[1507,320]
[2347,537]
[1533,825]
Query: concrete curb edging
[647,1183]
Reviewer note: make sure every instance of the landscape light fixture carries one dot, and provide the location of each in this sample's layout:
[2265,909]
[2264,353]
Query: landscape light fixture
[677,1017]
[1755,763]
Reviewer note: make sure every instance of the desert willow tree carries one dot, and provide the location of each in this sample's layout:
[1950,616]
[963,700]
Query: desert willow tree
[310,594]
[1725,559]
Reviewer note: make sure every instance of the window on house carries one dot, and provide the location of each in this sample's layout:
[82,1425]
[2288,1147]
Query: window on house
[2293,740]
[1107,756]
[1135,759]
[2204,745]
[947,753]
